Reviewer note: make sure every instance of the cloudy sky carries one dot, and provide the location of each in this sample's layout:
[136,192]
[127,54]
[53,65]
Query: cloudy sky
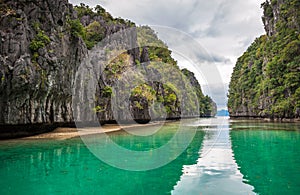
[223,28]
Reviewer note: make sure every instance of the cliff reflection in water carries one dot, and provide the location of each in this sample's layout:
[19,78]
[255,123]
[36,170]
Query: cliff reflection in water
[268,155]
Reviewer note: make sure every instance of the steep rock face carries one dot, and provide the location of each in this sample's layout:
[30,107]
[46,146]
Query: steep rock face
[207,106]
[155,94]
[41,48]
[265,82]
[36,79]
[43,43]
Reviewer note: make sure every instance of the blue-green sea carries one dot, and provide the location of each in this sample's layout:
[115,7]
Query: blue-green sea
[198,156]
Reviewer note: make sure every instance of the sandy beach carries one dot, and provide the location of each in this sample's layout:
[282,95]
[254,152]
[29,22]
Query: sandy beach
[63,133]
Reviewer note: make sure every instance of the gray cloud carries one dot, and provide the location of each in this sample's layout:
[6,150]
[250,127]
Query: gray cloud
[218,20]
[220,59]
[182,42]
[218,92]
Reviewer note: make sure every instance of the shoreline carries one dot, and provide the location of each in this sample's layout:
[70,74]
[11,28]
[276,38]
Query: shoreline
[69,132]
[19,131]
[274,120]
[11,132]
[64,133]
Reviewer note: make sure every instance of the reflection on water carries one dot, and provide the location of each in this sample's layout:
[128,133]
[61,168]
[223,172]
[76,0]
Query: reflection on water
[139,153]
[225,157]
[268,159]
[216,171]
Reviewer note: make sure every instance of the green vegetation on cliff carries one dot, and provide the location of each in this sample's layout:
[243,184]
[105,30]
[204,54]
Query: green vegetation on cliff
[174,88]
[93,32]
[43,45]
[152,56]
[266,79]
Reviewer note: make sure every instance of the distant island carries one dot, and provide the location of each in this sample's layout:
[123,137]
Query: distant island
[222,113]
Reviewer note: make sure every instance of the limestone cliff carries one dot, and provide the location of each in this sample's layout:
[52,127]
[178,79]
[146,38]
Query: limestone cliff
[265,82]
[38,59]
[43,43]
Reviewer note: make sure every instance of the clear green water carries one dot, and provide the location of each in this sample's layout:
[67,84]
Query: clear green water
[68,167]
[268,155]
[225,157]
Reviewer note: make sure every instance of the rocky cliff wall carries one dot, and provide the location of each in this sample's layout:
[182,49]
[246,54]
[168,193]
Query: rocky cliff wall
[44,42]
[265,82]
[36,80]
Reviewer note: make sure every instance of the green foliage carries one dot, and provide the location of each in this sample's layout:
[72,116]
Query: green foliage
[76,28]
[116,67]
[137,62]
[35,45]
[138,105]
[144,95]
[158,50]
[268,11]
[170,98]
[107,91]
[40,41]
[102,12]
[170,87]
[98,109]
[160,98]
[83,10]
[94,34]
[35,56]
[297,98]
[274,2]
[91,34]
[144,91]
[168,109]
[266,78]
[148,37]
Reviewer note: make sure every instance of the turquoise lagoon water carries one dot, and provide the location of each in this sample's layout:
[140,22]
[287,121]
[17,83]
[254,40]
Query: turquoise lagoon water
[224,157]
